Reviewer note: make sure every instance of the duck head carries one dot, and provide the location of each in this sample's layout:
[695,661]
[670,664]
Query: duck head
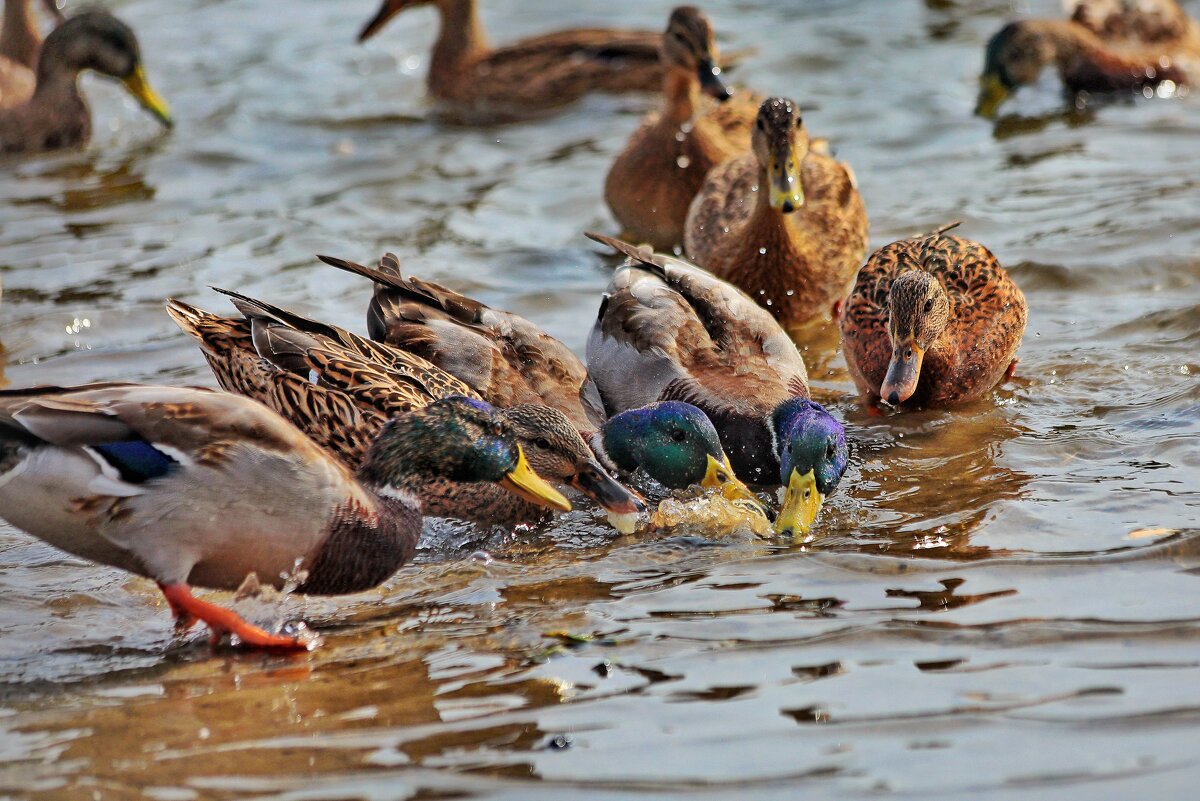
[96,40]
[688,46]
[780,143]
[675,444]
[557,452]
[812,458]
[459,439]
[918,313]
[1014,57]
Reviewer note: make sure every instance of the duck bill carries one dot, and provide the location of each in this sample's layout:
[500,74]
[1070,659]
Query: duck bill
[524,483]
[594,482]
[140,88]
[992,94]
[783,174]
[720,476]
[801,504]
[387,10]
[710,80]
[903,371]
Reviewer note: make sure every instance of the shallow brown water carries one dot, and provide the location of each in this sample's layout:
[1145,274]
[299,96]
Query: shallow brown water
[974,618]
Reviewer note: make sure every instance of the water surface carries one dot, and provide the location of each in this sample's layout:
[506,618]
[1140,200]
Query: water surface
[984,613]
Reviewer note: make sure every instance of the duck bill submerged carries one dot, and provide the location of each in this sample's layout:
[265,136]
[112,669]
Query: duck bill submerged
[137,85]
[801,504]
[720,476]
[524,483]
[602,488]
[903,371]
[992,94]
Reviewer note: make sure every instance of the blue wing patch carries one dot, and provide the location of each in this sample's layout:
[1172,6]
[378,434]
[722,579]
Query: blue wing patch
[136,460]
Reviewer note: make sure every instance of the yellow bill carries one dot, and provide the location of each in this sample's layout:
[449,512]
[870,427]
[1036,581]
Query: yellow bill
[719,475]
[786,190]
[992,94]
[801,504]
[140,88]
[524,483]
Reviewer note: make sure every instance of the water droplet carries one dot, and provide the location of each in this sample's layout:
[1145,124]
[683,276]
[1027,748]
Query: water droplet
[762,251]
[791,292]
[680,136]
[683,162]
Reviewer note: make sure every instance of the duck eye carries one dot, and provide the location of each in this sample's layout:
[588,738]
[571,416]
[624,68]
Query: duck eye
[830,450]
[799,123]
[679,435]
[542,443]
[929,306]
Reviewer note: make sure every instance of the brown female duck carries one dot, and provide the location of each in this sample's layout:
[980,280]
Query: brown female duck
[663,166]
[56,115]
[933,321]
[20,41]
[1106,46]
[783,222]
[531,76]
[340,388]
[196,487]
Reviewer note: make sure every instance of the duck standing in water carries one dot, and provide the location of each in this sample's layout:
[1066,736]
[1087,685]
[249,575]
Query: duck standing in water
[532,76]
[668,330]
[652,181]
[56,116]
[192,487]
[783,222]
[508,359]
[932,321]
[1106,46]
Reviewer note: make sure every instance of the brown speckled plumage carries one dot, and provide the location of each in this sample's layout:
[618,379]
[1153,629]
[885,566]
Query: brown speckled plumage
[985,321]
[795,264]
[532,76]
[655,177]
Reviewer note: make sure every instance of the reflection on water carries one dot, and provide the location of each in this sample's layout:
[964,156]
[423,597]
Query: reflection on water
[999,601]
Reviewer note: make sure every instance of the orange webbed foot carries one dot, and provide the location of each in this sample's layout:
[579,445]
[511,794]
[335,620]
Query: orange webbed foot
[189,609]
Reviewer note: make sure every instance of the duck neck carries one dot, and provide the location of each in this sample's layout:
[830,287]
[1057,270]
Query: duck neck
[19,37]
[681,96]
[460,39]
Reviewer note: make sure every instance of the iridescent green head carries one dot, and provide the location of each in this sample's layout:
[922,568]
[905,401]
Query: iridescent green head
[813,456]
[675,444]
[459,439]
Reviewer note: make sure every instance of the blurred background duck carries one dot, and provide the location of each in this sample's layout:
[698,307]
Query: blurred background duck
[783,222]
[1106,46]
[668,330]
[932,321]
[531,76]
[662,167]
[56,115]
[508,359]
[195,487]
[340,389]
[20,42]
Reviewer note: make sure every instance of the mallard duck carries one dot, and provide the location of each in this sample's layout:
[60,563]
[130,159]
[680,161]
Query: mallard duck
[507,359]
[192,487]
[20,41]
[932,320]
[794,246]
[664,163]
[56,116]
[340,389]
[531,76]
[668,330]
[1106,46]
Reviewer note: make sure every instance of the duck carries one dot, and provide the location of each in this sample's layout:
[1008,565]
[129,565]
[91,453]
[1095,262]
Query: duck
[508,359]
[340,389]
[669,330]
[932,321]
[1105,46]
[653,180]
[56,115]
[530,77]
[20,41]
[794,246]
[191,487]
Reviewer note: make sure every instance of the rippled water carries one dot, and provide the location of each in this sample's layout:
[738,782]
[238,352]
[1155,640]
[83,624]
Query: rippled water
[976,619]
